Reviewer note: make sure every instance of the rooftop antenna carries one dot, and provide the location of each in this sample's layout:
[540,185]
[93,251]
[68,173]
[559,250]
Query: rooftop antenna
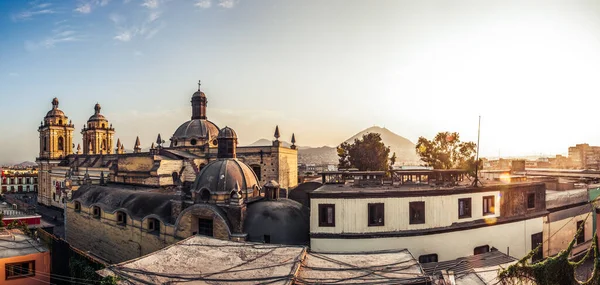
[477,183]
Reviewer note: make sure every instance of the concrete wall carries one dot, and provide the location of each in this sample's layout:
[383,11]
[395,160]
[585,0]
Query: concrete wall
[440,211]
[513,239]
[560,228]
[42,269]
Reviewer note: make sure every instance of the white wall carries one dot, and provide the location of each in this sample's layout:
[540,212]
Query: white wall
[351,215]
[513,237]
[560,233]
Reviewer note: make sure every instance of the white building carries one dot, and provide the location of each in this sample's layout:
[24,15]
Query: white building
[435,223]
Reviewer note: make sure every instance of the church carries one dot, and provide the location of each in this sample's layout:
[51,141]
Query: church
[122,205]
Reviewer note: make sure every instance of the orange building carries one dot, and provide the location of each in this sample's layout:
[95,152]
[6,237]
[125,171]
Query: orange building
[23,260]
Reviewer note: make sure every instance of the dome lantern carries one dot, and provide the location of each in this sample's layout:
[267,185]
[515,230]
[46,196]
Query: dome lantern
[227,143]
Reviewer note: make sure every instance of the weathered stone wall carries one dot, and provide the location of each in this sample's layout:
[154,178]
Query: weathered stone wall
[188,221]
[108,240]
[277,163]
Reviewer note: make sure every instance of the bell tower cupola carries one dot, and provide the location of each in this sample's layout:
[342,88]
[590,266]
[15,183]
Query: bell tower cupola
[227,143]
[199,104]
[98,134]
[56,134]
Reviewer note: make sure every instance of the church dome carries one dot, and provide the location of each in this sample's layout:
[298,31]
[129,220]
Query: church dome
[221,176]
[227,133]
[55,112]
[97,116]
[284,221]
[197,128]
[198,94]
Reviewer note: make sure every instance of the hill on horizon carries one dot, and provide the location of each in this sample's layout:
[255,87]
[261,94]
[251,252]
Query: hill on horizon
[404,148]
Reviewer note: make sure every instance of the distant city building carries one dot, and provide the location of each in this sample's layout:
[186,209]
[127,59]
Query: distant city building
[19,180]
[584,156]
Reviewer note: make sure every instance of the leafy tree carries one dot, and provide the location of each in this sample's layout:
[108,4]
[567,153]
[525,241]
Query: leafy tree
[368,153]
[446,151]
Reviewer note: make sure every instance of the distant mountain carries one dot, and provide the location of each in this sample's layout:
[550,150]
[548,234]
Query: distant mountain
[404,148]
[266,142]
[25,164]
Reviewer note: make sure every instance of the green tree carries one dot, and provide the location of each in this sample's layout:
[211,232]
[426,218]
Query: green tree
[368,153]
[446,151]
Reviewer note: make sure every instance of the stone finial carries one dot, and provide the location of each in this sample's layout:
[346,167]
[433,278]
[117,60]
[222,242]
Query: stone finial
[152,146]
[102,182]
[159,141]
[118,143]
[78,149]
[97,108]
[276,133]
[122,149]
[136,147]
[54,103]
[293,141]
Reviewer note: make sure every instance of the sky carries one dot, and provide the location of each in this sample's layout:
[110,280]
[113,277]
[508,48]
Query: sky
[322,69]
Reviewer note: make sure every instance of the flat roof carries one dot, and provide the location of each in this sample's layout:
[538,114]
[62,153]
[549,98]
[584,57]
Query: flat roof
[556,199]
[389,267]
[465,265]
[204,260]
[15,243]
[413,189]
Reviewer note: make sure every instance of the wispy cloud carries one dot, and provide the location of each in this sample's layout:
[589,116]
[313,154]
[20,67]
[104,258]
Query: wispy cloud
[35,9]
[228,4]
[152,4]
[146,27]
[203,4]
[86,6]
[154,16]
[61,34]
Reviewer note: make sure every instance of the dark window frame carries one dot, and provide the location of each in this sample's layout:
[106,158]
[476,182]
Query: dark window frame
[481,249]
[413,210]
[155,228]
[530,200]
[77,206]
[537,239]
[467,208]
[378,210]
[581,237]
[121,218]
[323,215]
[96,212]
[491,208]
[427,258]
[9,270]
[203,228]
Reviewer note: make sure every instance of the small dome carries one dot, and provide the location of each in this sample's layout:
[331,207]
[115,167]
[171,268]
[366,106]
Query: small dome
[97,116]
[197,128]
[284,221]
[227,133]
[198,94]
[55,112]
[221,176]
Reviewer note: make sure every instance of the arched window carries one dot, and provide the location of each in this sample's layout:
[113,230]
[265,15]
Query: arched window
[103,125]
[204,195]
[60,143]
[153,225]
[96,213]
[121,218]
[175,143]
[77,206]
[45,143]
[60,122]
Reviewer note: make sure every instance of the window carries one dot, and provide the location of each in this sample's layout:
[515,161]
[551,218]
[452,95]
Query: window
[153,226]
[267,238]
[530,200]
[536,239]
[376,214]
[60,143]
[581,237]
[464,208]
[96,212]
[428,258]
[193,142]
[481,249]
[256,169]
[326,215]
[417,212]
[205,227]
[121,218]
[77,206]
[19,270]
[488,205]
[204,195]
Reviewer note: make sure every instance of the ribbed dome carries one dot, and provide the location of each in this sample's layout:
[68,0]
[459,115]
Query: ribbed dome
[97,116]
[197,128]
[227,133]
[55,112]
[284,221]
[198,94]
[221,176]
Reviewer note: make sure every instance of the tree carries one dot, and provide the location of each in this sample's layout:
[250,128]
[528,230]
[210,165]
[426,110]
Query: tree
[446,151]
[368,153]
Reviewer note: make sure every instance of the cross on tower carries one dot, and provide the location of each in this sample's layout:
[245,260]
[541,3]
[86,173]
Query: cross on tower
[199,83]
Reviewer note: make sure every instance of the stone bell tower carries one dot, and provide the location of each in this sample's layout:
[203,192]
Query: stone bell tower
[97,134]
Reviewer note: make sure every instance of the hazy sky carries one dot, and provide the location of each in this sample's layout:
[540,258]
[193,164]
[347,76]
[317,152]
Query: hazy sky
[323,69]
